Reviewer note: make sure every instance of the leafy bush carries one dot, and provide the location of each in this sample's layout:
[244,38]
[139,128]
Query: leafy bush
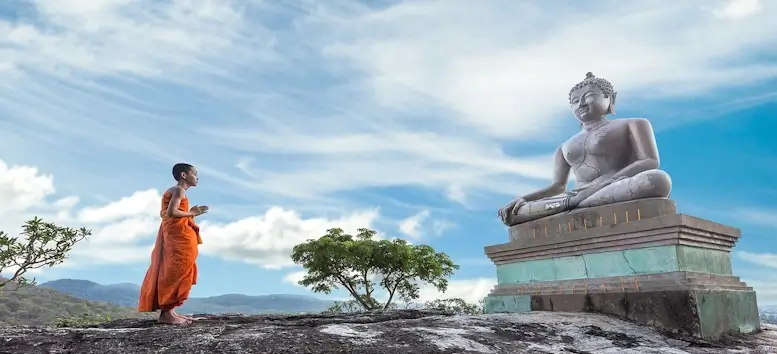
[347,306]
[456,305]
[43,244]
[357,263]
[84,320]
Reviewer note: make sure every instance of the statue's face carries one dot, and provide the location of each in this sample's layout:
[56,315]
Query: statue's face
[589,103]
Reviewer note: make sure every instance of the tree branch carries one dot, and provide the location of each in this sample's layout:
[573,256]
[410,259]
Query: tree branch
[392,291]
[351,290]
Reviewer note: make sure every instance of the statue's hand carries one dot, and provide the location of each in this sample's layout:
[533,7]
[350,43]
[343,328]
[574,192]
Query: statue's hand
[510,208]
[595,186]
[517,204]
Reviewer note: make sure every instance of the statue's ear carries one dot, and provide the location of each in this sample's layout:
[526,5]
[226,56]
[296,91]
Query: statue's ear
[611,109]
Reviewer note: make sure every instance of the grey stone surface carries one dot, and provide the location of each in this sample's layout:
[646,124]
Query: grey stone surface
[612,160]
[394,332]
[674,229]
[677,311]
[592,218]
[634,283]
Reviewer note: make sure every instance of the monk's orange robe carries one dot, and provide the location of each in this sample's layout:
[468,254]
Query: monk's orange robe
[173,270]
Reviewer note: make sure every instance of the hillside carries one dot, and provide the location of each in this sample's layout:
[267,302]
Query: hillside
[127,295]
[41,306]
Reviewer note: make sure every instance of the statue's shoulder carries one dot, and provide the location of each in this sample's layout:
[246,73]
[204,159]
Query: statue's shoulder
[639,122]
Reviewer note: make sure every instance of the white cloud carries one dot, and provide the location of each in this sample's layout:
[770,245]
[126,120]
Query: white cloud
[761,278]
[124,231]
[349,96]
[763,259]
[439,226]
[509,78]
[766,290]
[24,191]
[147,203]
[22,187]
[117,229]
[758,216]
[739,9]
[267,240]
[421,224]
[411,226]
[471,290]
[294,277]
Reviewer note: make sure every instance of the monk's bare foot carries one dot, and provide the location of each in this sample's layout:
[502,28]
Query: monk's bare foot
[176,314]
[171,319]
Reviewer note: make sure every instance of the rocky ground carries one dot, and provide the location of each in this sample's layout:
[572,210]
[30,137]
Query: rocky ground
[403,332]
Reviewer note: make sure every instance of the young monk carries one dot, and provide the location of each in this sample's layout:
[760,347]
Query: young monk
[173,271]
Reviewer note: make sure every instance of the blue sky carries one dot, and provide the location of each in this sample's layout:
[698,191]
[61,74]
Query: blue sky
[418,119]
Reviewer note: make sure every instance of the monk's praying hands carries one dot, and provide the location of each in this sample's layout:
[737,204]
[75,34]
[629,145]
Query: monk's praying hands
[198,210]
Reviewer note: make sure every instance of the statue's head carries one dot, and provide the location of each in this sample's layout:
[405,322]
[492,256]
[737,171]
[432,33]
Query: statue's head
[592,98]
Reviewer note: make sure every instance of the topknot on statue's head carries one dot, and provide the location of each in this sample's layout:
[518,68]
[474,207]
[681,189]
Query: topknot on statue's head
[590,79]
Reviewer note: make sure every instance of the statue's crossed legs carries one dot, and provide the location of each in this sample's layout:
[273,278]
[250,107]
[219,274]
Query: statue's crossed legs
[647,184]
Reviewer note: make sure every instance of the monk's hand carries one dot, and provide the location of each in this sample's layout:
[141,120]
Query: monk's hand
[199,210]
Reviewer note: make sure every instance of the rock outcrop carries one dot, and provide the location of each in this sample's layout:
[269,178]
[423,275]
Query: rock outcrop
[405,331]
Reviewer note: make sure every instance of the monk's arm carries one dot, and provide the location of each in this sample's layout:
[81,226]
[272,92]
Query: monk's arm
[643,141]
[560,178]
[175,201]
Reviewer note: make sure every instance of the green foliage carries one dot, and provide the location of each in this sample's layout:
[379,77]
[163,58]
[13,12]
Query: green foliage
[42,244]
[34,305]
[84,320]
[356,263]
[344,307]
[457,306]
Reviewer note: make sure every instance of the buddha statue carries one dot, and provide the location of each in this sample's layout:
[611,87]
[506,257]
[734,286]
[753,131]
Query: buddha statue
[613,160]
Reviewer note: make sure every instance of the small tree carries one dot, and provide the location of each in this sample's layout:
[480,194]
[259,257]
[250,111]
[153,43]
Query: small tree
[356,263]
[43,244]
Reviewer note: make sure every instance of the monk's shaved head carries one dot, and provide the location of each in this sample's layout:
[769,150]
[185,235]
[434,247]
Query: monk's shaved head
[180,168]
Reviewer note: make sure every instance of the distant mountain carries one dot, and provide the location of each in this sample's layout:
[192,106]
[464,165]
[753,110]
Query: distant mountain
[238,303]
[36,305]
[118,294]
[127,295]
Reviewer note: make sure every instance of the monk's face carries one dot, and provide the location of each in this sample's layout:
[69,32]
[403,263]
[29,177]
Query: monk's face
[191,177]
[589,103]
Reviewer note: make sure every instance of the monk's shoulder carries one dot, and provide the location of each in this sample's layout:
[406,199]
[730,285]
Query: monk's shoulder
[176,191]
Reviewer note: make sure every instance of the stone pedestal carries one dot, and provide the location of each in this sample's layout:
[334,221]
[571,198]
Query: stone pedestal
[637,260]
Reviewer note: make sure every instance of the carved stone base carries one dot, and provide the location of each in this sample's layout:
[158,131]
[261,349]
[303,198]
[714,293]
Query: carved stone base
[638,260]
[592,218]
[671,281]
[706,314]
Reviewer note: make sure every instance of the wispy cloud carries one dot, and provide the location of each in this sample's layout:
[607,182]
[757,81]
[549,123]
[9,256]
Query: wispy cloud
[739,9]
[758,216]
[328,98]
[411,226]
[762,259]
